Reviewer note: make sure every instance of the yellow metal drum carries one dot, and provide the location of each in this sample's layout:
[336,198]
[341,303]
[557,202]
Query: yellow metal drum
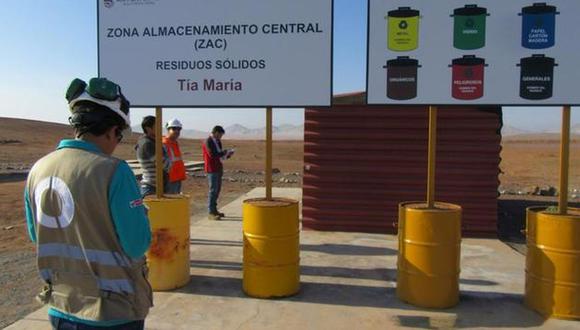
[429,254]
[553,263]
[271,248]
[168,256]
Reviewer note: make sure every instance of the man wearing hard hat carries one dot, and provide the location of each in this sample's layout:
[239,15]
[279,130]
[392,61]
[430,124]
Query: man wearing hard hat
[177,168]
[85,213]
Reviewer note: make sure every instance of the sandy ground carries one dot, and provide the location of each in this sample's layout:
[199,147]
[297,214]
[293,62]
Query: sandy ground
[19,149]
[347,281]
[535,161]
[525,162]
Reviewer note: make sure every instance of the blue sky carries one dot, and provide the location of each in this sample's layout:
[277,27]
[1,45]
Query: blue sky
[47,43]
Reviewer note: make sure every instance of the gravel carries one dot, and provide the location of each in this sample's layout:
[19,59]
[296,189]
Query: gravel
[19,284]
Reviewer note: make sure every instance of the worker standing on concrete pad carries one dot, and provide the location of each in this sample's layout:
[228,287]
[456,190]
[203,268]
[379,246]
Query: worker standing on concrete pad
[145,150]
[86,215]
[177,170]
[212,157]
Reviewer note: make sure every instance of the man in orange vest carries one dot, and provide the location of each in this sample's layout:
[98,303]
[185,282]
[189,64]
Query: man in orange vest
[177,169]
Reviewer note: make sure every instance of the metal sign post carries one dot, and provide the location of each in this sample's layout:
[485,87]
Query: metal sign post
[564,161]
[268,175]
[431,158]
[158,152]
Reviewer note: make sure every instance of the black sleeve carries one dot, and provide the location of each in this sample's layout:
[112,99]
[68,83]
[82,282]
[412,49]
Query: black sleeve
[149,149]
[212,148]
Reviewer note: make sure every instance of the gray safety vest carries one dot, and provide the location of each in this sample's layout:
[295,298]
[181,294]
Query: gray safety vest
[80,258]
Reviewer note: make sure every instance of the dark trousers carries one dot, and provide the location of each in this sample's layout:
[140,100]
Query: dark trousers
[215,186]
[64,324]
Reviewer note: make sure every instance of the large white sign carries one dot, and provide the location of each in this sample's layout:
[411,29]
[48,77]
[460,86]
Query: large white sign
[506,52]
[232,53]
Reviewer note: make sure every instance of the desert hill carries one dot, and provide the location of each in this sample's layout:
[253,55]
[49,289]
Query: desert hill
[22,142]
[240,132]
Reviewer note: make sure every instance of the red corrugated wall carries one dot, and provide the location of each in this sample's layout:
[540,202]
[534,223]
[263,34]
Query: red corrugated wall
[361,161]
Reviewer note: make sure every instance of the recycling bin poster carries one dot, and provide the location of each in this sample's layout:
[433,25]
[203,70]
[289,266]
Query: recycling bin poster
[482,52]
[218,53]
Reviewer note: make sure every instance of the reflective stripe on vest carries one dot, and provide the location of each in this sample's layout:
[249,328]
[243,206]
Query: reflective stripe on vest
[172,156]
[88,274]
[106,258]
[177,171]
[118,286]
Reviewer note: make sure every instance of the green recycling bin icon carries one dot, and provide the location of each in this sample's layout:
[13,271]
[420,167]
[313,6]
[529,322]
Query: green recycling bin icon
[469,27]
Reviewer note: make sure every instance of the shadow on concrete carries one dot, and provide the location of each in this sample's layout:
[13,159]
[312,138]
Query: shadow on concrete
[494,310]
[230,219]
[348,250]
[213,286]
[427,322]
[319,293]
[197,241]
[346,295]
[476,309]
[377,274]
[477,282]
[335,249]
[224,265]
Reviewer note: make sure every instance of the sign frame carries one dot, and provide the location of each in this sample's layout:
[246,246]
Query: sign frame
[389,102]
[329,97]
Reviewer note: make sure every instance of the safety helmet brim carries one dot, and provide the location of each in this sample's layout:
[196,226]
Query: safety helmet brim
[173,123]
[114,106]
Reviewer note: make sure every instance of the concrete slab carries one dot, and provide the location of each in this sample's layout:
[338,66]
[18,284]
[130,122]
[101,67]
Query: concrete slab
[348,282]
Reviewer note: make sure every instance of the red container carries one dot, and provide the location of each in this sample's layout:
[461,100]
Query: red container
[468,77]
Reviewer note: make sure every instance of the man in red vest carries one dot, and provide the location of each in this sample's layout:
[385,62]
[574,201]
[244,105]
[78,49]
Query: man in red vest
[213,153]
[177,169]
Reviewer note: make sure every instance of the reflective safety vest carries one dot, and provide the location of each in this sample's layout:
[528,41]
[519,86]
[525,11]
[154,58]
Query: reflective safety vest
[212,154]
[80,258]
[177,169]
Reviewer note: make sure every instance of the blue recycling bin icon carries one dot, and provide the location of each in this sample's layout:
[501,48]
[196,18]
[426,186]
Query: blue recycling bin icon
[539,26]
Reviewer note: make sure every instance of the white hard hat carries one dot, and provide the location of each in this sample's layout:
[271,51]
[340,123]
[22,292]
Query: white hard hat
[114,106]
[173,123]
[100,91]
